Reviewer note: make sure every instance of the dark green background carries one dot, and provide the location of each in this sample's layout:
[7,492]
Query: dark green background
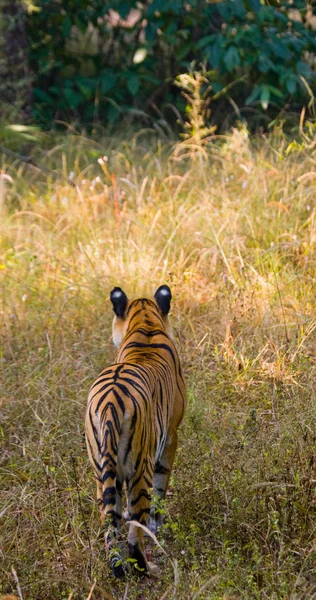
[81,54]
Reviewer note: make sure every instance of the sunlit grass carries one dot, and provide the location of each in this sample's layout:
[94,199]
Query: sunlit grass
[232,231]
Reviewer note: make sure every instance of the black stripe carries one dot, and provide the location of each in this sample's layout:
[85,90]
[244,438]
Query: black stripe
[138,387]
[102,389]
[108,475]
[130,306]
[110,433]
[117,372]
[160,419]
[110,458]
[129,445]
[109,496]
[138,459]
[158,346]
[115,515]
[119,401]
[127,393]
[142,494]
[146,332]
[159,469]
[105,415]
[136,481]
[137,375]
[95,431]
[96,464]
[137,516]
[102,379]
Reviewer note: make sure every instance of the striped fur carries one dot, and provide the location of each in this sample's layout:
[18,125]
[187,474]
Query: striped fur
[134,409]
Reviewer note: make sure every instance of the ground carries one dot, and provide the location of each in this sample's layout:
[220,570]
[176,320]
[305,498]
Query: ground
[230,227]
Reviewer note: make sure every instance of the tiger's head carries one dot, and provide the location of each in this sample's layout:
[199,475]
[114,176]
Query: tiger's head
[144,312]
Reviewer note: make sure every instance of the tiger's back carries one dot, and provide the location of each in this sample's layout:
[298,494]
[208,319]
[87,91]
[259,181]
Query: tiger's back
[134,409]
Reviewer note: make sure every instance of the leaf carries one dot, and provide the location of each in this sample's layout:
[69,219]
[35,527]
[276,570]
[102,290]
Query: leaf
[224,10]
[265,96]
[240,9]
[108,82]
[303,69]
[217,86]
[73,98]
[85,91]
[254,95]
[133,83]
[112,114]
[291,84]
[253,5]
[279,49]
[140,55]
[66,26]
[151,79]
[42,95]
[26,132]
[204,41]
[265,64]
[184,50]
[275,91]
[215,54]
[123,9]
[18,128]
[231,58]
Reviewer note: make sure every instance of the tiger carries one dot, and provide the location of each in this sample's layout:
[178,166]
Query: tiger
[135,407]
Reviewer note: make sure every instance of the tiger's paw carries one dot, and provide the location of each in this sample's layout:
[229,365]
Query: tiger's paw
[118,571]
[138,559]
[154,570]
[117,563]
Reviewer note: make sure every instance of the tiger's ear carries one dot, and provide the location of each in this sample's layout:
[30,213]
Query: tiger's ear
[119,301]
[163,298]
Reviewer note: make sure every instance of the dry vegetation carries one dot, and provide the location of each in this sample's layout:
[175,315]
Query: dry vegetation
[230,227]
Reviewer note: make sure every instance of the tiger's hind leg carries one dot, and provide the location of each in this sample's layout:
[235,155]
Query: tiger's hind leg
[161,480]
[100,500]
[110,505]
[139,499]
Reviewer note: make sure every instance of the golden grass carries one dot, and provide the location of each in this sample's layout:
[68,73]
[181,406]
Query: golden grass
[231,228]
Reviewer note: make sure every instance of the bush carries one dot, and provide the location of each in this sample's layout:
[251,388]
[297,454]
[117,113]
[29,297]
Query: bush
[96,61]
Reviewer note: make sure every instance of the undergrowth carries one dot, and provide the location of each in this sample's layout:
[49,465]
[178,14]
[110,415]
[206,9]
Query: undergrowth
[231,229]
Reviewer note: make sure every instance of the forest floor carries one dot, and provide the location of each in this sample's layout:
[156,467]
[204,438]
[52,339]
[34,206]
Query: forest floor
[230,227]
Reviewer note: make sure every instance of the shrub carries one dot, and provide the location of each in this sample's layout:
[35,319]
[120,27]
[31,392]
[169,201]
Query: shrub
[96,61]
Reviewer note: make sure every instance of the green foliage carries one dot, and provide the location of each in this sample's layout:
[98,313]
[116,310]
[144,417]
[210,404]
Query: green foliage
[94,61]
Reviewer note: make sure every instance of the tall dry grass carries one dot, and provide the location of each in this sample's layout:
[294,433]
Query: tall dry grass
[230,226]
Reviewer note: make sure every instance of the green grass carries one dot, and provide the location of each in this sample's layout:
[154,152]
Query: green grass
[231,229]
